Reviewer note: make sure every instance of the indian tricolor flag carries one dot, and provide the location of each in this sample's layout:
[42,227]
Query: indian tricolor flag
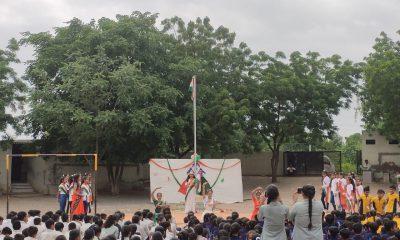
[192,87]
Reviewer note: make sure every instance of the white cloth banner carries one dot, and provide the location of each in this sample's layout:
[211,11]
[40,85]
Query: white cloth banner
[224,175]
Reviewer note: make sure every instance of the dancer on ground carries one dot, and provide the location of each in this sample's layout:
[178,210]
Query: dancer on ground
[273,215]
[335,192]
[190,198]
[62,194]
[325,190]
[208,200]
[350,195]
[77,206]
[86,193]
[258,199]
[307,215]
[158,198]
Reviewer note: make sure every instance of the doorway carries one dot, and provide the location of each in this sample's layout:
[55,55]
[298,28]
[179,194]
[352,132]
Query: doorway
[19,173]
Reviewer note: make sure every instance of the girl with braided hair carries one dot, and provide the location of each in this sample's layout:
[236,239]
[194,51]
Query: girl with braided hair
[307,216]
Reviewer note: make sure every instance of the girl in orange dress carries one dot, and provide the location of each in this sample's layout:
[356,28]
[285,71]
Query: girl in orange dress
[77,206]
[258,200]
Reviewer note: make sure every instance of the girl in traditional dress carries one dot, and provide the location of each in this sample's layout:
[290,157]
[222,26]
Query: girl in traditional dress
[190,199]
[62,194]
[258,199]
[86,192]
[350,195]
[208,201]
[77,206]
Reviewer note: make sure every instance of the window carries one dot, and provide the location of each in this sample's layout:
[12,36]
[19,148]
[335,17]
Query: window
[370,141]
[393,141]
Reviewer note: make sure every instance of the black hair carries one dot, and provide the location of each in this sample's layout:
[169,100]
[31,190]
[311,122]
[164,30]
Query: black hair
[309,192]
[89,234]
[235,215]
[49,223]
[45,218]
[16,225]
[126,231]
[198,229]
[61,237]
[133,228]
[135,219]
[21,215]
[74,234]
[6,231]
[157,236]
[110,221]
[272,193]
[333,231]
[366,188]
[345,233]
[71,226]
[357,228]
[87,218]
[25,232]
[32,231]
[59,226]
[381,191]
[19,236]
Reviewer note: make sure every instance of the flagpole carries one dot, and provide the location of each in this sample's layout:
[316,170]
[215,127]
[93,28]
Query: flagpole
[194,115]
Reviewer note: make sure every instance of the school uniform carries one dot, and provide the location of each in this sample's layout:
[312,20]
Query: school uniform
[392,201]
[49,234]
[378,204]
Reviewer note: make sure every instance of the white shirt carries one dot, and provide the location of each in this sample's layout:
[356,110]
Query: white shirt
[144,231]
[326,182]
[349,189]
[40,229]
[7,223]
[78,224]
[334,187]
[85,226]
[24,225]
[360,190]
[343,181]
[29,238]
[113,230]
[49,234]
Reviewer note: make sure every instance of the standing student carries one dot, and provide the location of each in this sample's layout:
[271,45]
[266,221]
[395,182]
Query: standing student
[273,215]
[208,201]
[158,198]
[342,191]
[86,192]
[350,195]
[258,200]
[77,206]
[379,202]
[359,189]
[307,216]
[325,190]
[190,198]
[335,191]
[392,200]
[62,194]
[365,202]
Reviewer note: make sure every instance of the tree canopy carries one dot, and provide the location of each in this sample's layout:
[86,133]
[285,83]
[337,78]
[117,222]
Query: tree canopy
[380,92]
[11,87]
[120,88]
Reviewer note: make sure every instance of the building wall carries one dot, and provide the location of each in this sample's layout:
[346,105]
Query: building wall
[43,174]
[3,174]
[381,151]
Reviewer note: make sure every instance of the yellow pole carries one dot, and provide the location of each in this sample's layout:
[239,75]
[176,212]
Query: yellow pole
[8,176]
[95,162]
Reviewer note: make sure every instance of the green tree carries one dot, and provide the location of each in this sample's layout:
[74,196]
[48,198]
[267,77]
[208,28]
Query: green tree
[11,88]
[380,93]
[209,53]
[297,97]
[95,89]
[121,87]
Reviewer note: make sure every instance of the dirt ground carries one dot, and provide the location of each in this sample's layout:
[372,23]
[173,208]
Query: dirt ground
[134,201]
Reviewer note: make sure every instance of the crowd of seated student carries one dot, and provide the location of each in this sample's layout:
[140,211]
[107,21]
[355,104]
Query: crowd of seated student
[305,220]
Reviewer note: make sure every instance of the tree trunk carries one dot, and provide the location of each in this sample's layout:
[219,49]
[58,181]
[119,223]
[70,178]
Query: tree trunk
[114,173]
[274,164]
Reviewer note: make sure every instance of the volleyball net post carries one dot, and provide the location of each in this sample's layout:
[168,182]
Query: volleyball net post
[94,169]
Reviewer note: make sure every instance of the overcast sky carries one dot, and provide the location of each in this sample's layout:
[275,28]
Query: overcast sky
[345,27]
